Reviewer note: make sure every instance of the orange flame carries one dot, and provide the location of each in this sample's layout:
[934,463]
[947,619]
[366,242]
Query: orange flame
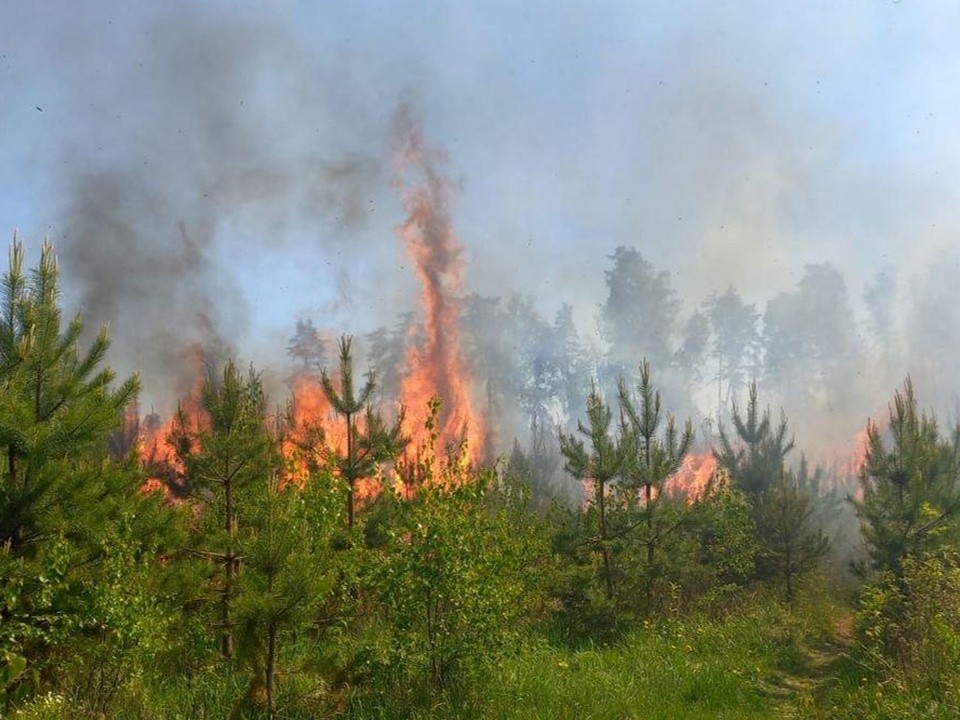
[157,453]
[317,435]
[689,482]
[843,466]
[435,367]
[694,475]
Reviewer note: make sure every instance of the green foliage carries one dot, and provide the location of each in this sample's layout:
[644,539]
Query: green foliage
[600,463]
[12,667]
[453,579]
[788,541]
[56,408]
[790,544]
[648,461]
[734,325]
[287,572]
[908,627]
[906,655]
[754,459]
[365,449]
[445,600]
[657,550]
[130,628]
[538,466]
[911,493]
[68,513]
[810,340]
[581,611]
[637,291]
[727,537]
[228,460]
[696,667]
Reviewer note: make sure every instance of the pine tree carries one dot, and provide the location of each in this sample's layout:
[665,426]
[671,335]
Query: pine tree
[306,349]
[56,404]
[735,336]
[69,514]
[911,494]
[365,449]
[649,459]
[600,464]
[285,573]
[388,354]
[691,356]
[225,460]
[754,459]
[790,542]
[637,290]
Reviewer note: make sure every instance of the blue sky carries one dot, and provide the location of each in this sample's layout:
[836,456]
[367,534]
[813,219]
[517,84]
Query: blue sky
[729,142]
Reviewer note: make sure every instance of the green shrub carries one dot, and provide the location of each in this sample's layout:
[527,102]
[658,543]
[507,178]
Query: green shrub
[908,626]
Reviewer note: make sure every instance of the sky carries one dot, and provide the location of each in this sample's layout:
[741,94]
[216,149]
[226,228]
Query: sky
[232,161]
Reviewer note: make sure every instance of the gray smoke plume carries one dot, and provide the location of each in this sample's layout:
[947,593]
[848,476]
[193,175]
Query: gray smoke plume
[199,138]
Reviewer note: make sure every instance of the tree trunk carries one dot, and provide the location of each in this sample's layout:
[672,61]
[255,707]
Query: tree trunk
[12,464]
[604,550]
[348,472]
[789,576]
[271,669]
[650,540]
[226,637]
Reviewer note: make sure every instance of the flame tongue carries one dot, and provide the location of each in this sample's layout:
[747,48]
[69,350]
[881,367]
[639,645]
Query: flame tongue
[435,366]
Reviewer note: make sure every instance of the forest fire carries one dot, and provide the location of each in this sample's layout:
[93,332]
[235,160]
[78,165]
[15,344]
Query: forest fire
[841,468]
[316,436]
[694,475]
[434,365]
[158,453]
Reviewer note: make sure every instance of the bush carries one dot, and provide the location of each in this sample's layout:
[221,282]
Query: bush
[908,626]
[454,580]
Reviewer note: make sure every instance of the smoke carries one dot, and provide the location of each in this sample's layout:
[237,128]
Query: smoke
[212,172]
[197,150]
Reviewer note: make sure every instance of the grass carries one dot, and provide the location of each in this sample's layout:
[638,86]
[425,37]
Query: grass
[741,666]
[762,660]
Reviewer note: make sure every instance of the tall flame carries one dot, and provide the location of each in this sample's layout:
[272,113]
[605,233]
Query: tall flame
[435,366]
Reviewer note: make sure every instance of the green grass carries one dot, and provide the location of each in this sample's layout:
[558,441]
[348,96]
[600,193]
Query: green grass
[752,663]
[740,666]
[854,692]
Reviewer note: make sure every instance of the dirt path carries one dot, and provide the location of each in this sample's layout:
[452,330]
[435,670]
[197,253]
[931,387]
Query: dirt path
[802,689]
